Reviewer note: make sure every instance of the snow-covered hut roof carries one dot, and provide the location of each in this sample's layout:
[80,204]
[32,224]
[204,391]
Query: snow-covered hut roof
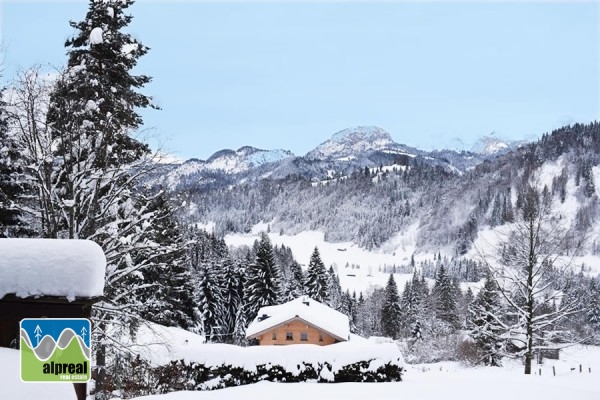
[311,311]
[51,267]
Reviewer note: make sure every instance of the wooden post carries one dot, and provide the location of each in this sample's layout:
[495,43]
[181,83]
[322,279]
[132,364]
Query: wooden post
[540,372]
[580,368]
[553,370]
[80,390]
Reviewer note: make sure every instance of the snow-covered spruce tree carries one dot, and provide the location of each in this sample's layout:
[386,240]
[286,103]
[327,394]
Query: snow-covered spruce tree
[162,287]
[262,280]
[593,310]
[232,297]
[412,304]
[467,301]
[407,309]
[349,308]
[210,303]
[316,279]
[531,266]
[92,115]
[485,323]
[334,289]
[11,224]
[391,313]
[239,333]
[444,296]
[294,286]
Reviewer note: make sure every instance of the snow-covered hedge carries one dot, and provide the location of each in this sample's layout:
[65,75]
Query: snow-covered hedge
[179,375]
[215,366]
[167,359]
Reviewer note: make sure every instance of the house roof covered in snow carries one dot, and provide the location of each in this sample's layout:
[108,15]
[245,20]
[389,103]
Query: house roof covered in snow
[51,267]
[311,311]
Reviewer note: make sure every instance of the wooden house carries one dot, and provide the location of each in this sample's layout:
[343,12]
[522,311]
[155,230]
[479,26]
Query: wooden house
[300,321]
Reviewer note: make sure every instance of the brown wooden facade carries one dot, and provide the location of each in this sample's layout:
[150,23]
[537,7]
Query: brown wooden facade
[295,331]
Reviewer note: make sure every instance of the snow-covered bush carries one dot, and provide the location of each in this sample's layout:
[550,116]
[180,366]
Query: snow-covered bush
[434,349]
[179,375]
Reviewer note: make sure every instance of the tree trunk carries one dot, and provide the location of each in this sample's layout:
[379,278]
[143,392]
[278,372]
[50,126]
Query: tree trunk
[100,372]
[529,312]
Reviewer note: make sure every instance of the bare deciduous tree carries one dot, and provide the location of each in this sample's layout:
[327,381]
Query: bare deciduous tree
[531,264]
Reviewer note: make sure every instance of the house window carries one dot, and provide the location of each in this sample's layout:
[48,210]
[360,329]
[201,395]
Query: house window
[304,336]
[274,336]
[289,336]
[321,337]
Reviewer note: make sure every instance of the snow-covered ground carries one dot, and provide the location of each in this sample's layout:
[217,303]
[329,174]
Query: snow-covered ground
[440,381]
[445,380]
[12,388]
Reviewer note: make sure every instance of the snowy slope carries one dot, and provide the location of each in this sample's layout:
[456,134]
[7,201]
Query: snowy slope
[241,160]
[362,271]
[358,269]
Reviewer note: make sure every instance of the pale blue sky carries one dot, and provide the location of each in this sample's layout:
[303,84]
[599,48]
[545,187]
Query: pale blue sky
[289,75]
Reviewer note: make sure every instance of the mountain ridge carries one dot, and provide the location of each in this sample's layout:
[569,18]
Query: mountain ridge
[344,152]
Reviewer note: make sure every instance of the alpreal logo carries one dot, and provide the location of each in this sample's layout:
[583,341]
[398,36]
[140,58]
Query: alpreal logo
[55,350]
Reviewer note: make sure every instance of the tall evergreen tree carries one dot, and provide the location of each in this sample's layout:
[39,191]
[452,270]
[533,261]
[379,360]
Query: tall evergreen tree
[263,280]
[391,313]
[294,286]
[163,285]
[239,333]
[349,307]
[486,324]
[335,290]
[210,302]
[593,307]
[444,295]
[92,112]
[232,297]
[316,278]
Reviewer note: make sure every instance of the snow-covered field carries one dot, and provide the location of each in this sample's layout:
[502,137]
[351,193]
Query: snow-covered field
[440,381]
[398,251]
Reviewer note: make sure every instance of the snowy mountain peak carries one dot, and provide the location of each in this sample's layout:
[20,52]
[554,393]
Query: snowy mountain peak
[351,141]
[362,133]
[243,159]
[490,144]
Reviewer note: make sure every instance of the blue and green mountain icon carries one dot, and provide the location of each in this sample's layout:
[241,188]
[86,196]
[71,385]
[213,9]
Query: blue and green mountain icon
[55,350]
